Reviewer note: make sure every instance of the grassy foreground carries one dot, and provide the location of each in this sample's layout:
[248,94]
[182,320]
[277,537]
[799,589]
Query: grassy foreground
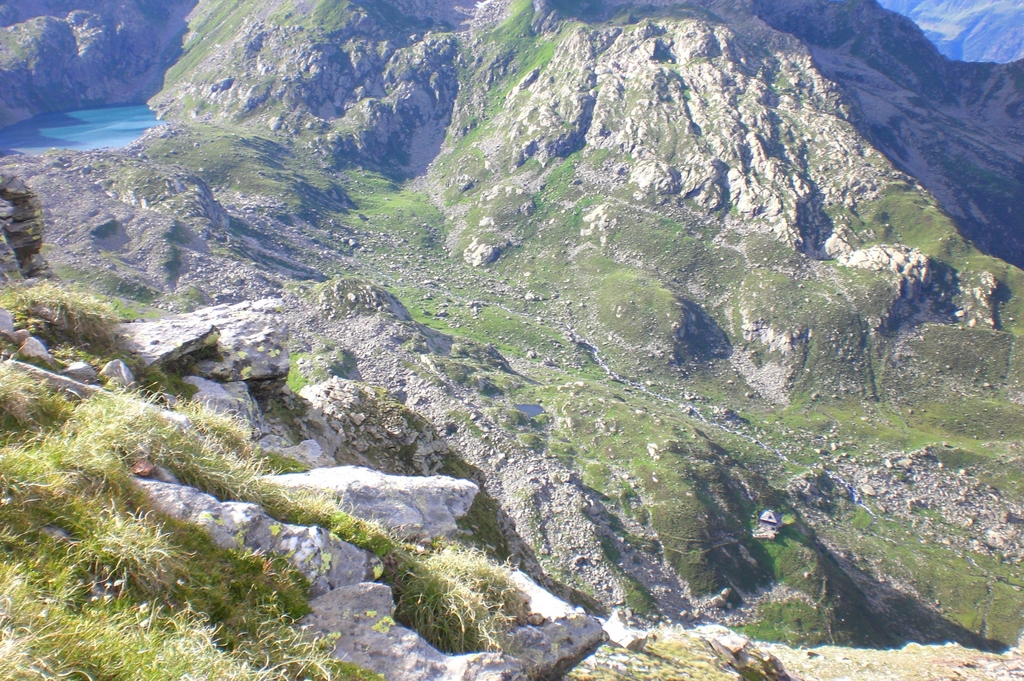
[94,584]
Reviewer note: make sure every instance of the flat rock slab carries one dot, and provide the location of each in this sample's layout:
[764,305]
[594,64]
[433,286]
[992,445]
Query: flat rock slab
[362,618]
[249,338]
[417,507]
[166,340]
[326,561]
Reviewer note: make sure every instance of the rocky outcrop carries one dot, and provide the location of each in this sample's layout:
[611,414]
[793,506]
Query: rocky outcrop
[417,507]
[349,296]
[326,561]
[369,89]
[357,424]
[21,232]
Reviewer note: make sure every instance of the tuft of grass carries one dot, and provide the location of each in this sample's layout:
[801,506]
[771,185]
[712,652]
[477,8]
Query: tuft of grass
[457,599]
[62,315]
[24,403]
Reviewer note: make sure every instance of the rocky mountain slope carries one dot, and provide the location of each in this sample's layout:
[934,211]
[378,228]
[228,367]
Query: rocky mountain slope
[968,30]
[651,270]
[58,56]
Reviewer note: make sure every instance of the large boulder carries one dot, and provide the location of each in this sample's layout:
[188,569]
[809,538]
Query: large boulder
[360,425]
[562,637]
[326,561]
[246,341]
[361,617]
[419,508]
[251,344]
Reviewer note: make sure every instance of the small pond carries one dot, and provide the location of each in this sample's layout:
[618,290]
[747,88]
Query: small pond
[530,410]
[115,126]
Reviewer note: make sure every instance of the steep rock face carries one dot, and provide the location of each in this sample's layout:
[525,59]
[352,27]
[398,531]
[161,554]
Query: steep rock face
[691,111]
[958,128]
[56,56]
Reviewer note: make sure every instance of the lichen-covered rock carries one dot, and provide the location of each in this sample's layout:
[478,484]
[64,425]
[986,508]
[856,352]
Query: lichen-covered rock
[358,424]
[227,398]
[6,323]
[251,343]
[321,557]
[362,619]
[248,340]
[417,507]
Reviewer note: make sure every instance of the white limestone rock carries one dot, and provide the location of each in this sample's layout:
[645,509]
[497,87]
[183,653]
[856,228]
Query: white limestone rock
[166,340]
[321,557]
[565,637]
[308,452]
[480,253]
[417,507]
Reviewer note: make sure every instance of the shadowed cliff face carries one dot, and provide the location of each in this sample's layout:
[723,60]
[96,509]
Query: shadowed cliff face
[57,56]
[957,128]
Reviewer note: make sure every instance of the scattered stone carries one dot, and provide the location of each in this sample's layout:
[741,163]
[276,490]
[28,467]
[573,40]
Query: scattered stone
[81,371]
[321,557]
[621,634]
[6,323]
[418,507]
[118,375]
[33,348]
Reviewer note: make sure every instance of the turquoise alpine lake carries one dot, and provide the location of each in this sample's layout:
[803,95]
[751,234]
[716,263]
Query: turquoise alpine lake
[108,127]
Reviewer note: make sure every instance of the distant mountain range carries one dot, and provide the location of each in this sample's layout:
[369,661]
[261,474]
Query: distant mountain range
[969,30]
